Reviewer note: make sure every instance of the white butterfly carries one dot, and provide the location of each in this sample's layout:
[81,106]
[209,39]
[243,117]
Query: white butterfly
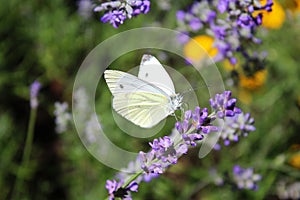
[147,99]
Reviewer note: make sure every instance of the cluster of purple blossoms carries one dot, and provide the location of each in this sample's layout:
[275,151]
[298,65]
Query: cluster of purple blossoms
[231,23]
[224,105]
[245,178]
[236,126]
[163,154]
[115,189]
[34,91]
[117,11]
[236,123]
[165,151]
[194,125]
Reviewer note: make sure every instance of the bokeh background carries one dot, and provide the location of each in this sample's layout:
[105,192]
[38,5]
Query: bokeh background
[48,40]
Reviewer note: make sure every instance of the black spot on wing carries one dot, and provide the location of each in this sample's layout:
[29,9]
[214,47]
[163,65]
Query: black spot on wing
[121,86]
[146,58]
[146,75]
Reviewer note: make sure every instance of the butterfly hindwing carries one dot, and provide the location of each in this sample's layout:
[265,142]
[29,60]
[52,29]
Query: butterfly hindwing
[143,109]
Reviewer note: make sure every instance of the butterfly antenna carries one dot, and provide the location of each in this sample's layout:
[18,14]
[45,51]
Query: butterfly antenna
[197,88]
[176,117]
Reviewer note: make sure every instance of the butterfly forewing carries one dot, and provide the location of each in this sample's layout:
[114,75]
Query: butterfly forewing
[121,82]
[152,71]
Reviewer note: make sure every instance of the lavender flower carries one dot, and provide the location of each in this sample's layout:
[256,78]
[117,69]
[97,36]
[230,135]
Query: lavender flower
[85,8]
[92,128]
[245,178]
[194,125]
[288,191]
[165,151]
[164,4]
[230,22]
[163,154]
[34,91]
[115,189]
[114,17]
[216,177]
[236,126]
[224,105]
[150,168]
[62,117]
[116,12]
[81,102]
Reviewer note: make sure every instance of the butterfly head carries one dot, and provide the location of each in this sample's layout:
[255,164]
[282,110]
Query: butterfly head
[176,102]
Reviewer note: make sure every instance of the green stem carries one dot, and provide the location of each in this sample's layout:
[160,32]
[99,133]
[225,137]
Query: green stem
[26,154]
[29,139]
[132,178]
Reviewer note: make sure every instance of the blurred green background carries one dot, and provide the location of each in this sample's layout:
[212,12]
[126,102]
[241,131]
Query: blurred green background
[48,40]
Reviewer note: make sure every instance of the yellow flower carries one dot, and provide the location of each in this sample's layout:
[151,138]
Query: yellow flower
[273,19]
[198,48]
[229,67]
[253,82]
[245,96]
[294,157]
[295,160]
[247,84]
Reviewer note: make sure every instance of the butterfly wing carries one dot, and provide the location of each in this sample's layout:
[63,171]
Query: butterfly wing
[140,102]
[142,108]
[153,72]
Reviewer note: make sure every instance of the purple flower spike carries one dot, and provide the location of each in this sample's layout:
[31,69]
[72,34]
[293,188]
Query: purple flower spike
[151,169]
[162,155]
[34,91]
[164,149]
[236,126]
[197,122]
[245,178]
[115,18]
[224,105]
[116,12]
